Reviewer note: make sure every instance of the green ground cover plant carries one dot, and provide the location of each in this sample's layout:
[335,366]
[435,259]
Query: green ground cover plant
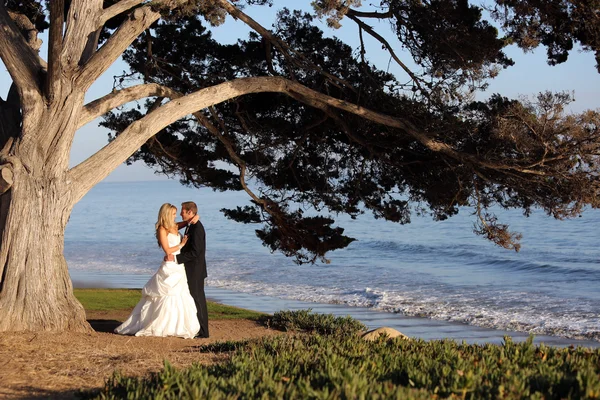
[308,321]
[342,365]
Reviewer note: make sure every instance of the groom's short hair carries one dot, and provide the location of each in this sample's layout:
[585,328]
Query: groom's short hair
[189,206]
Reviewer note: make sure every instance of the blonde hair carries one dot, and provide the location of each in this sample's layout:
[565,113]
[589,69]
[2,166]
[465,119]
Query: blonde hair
[165,219]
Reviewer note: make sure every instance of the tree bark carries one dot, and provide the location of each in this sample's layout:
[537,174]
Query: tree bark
[36,292]
[37,190]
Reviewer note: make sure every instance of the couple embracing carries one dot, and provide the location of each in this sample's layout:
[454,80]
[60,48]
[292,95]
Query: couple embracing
[173,301]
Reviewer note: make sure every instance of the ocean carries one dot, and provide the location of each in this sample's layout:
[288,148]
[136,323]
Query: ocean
[431,279]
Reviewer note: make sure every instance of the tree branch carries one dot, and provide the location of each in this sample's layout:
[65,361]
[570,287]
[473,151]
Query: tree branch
[98,166]
[91,46]
[383,41]
[117,98]
[57,19]
[117,9]
[230,150]
[80,28]
[139,20]
[21,61]
[27,28]
[125,5]
[369,14]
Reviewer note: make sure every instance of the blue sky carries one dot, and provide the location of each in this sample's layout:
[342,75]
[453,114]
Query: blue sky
[530,75]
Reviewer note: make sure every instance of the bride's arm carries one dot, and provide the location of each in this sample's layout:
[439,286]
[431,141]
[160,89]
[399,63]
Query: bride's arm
[164,242]
[182,224]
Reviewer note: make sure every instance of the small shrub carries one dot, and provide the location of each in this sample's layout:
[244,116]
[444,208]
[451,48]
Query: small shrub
[307,321]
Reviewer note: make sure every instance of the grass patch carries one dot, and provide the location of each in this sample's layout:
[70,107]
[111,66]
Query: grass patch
[108,299]
[221,311]
[126,299]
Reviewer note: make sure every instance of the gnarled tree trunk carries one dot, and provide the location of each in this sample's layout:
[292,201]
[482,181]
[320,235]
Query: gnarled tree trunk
[36,292]
[35,288]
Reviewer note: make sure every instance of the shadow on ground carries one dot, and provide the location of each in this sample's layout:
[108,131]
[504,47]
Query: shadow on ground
[36,393]
[104,325]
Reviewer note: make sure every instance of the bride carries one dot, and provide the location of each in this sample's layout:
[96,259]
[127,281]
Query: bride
[166,307]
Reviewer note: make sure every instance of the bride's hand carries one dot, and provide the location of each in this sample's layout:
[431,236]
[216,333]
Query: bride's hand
[195,219]
[184,240]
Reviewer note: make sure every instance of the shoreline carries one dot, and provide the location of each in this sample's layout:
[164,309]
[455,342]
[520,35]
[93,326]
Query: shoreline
[416,327]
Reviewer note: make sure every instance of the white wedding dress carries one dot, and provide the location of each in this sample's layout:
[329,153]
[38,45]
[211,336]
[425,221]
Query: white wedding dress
[167,307]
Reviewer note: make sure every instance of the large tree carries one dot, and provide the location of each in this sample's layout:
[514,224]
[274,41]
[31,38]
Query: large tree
[308,118]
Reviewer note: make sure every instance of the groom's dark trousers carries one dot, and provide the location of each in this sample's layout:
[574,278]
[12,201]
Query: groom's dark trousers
[193,258]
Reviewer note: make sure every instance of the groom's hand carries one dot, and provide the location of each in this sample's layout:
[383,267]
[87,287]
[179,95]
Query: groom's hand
[170,257]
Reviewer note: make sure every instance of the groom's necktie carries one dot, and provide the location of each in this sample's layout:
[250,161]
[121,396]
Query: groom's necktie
[187,228]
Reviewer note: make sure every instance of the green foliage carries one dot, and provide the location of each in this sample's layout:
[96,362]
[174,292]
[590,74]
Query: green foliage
[556,25]
[224,347]
[449,37]
[332,367]
[307,321]
[123,299]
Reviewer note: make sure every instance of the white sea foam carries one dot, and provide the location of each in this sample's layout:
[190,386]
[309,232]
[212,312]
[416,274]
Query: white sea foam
[530,318]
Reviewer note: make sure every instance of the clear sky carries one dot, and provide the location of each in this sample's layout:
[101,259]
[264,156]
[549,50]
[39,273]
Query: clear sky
[530,75]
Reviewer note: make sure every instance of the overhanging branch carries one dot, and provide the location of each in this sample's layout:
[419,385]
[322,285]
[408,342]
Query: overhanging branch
[369,14]
[116,9]
[117,98]
[98,166]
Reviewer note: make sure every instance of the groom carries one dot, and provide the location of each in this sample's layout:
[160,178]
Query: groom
[192,257]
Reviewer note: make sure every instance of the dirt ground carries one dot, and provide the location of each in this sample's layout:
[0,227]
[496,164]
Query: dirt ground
[55,365]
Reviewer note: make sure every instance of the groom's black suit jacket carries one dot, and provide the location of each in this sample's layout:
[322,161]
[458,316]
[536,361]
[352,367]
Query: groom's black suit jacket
[193,254]
[193,259]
